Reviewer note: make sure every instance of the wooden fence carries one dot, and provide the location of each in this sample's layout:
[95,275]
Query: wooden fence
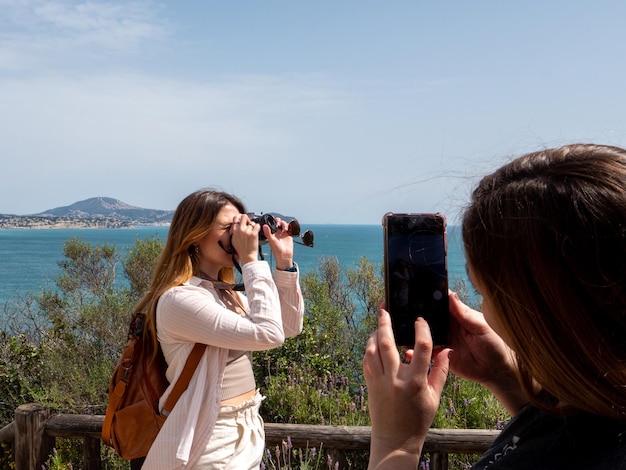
[35,428]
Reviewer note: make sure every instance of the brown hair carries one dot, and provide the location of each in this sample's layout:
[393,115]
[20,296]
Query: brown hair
[545,238]
[192,221]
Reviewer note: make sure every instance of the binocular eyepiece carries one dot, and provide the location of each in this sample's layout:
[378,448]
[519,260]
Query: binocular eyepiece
[293,228]
[264,219]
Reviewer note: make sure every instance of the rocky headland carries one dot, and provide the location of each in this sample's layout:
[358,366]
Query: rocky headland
[97,212]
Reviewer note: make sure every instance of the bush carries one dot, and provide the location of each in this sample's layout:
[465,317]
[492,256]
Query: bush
[59,348]
[316,377]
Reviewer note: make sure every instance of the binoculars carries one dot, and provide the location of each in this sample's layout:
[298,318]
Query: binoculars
[293,228]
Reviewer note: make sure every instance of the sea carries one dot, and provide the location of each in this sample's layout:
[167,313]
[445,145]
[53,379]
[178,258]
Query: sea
[29,257]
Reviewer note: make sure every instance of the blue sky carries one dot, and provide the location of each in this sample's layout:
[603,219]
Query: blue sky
[333,112]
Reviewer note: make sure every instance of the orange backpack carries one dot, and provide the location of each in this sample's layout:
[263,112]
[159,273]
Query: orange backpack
[132,419]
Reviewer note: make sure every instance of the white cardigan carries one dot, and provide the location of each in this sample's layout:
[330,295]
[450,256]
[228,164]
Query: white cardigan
[194,313]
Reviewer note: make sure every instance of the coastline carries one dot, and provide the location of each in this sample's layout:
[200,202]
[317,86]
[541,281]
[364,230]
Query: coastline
[12,222]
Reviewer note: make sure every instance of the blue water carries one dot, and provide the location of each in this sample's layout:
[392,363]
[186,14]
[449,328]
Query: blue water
[28,258]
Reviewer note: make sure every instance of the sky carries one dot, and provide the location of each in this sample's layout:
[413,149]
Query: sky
[333,112]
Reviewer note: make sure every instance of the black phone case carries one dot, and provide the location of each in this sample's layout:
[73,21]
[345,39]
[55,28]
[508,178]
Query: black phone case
[416,275]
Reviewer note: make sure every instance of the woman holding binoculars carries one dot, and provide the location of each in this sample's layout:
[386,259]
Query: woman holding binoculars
[192,299]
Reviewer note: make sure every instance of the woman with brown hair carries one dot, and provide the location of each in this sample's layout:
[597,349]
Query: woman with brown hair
[545,243]
[192,299]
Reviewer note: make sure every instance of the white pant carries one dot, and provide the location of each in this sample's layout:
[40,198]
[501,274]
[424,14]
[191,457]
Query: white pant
[238,439]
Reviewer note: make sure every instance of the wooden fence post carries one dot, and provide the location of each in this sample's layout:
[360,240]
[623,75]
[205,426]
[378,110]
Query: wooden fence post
[91,453]
[439,461]
[32,445]
[336,457]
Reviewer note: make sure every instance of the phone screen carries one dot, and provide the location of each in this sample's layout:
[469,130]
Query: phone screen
[416,275]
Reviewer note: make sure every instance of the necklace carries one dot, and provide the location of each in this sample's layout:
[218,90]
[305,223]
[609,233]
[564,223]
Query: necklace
[221,285]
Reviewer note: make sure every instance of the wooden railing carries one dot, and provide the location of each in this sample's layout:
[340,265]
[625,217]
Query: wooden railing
[35,428]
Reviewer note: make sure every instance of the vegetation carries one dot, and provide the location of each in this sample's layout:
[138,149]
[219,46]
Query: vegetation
[59,348]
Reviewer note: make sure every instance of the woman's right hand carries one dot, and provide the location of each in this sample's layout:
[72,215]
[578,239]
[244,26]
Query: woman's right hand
[480,355]
[403,398]
[245,238]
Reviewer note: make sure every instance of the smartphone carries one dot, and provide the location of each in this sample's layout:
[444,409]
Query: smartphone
[416,275]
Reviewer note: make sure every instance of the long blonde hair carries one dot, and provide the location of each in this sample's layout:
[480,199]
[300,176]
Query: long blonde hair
[545,236]
[178,261]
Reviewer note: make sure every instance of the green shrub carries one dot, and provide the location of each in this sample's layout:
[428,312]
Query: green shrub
[468,405]
[316,377]
[59,347]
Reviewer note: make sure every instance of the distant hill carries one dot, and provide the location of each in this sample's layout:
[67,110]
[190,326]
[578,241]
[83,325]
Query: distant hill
[108,208]
[96,212]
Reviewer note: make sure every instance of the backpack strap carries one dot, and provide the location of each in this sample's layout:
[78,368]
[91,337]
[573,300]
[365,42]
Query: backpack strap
[185,377]
[115,397]
[114,402]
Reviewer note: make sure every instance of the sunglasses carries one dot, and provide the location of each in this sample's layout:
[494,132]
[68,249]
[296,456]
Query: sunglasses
[307,239]
[294,231]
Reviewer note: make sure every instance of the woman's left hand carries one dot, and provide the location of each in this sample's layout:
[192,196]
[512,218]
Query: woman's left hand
[281,244]
[403,398]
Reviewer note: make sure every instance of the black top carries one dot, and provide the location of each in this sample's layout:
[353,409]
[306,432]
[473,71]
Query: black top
[535,440]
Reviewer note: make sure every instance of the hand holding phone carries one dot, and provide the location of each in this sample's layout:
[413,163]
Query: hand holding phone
[416,275]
